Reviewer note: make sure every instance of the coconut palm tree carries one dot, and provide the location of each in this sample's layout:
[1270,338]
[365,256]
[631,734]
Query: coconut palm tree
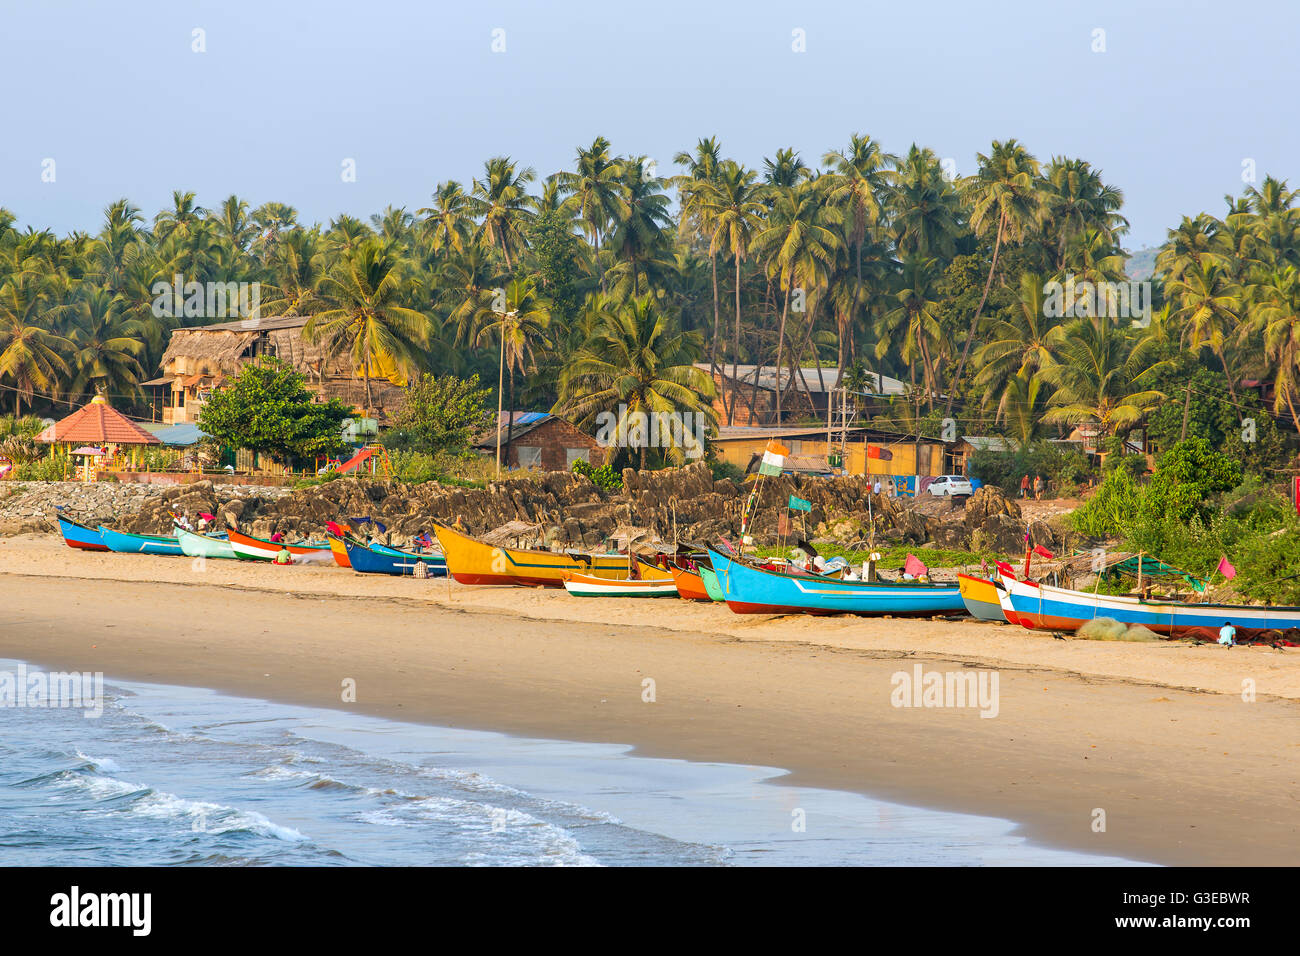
[925,211]
[501,202]
[1099,379]
[449,221]
[640,217]
[594,188]
[917,316]
[30,356]
[1006,205]
[734,211]
[521,319]
[105,346]
[363,316]
[1209,305]
[1018,346]
[635,363]
[702,169]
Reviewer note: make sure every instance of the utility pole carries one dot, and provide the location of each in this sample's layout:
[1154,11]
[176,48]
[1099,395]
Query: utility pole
[1187,402]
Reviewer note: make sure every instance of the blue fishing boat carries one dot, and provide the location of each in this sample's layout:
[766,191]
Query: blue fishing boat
[751,590]
[79,536]
[371,560]
[126,543]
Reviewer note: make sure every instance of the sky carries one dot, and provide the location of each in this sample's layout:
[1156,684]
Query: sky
[1176,102]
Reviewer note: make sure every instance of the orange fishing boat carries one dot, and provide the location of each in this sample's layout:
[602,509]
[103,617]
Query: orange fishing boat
[690,586]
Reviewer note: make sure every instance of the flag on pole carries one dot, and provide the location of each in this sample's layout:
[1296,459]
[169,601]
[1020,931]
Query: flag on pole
[1226,569]
[798,504]
[783,524]
[914,567]
[1042,552]
[1006,569]
[773,462]
[883,454]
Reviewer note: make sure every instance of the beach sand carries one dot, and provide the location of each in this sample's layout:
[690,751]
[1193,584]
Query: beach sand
[1158,736]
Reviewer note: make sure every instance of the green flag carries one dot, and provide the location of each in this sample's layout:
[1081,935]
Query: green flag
[798,504]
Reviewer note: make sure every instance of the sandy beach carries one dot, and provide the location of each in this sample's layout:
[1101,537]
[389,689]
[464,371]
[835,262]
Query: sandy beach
[1158,736]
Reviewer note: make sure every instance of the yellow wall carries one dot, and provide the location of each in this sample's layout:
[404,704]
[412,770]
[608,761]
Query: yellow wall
[739,452]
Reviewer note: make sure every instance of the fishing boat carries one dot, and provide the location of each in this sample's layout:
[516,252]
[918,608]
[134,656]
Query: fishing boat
[367,560]
[339,550]
[80,537]
[583,585]
[470,561]
[127,543]
[751,590]
[197,545]
[249,548]
[690,584]
[981,598]
[712,588]
[1046,608]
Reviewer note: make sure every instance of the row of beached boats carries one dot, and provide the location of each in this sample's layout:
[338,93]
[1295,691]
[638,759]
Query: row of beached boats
[746,584]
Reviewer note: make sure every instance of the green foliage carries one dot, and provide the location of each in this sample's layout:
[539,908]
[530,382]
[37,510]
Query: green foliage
[1112,510]
[441,413]
[557,253]
[1187,476]
[1214,415]
[54,467]
[25,427]
[603,477]
[268,409]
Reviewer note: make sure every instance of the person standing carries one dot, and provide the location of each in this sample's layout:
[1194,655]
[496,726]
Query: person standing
[1038,487]
[875,489]
[1024,487]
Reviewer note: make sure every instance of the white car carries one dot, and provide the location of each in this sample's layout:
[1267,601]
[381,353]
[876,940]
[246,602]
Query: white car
[946,486]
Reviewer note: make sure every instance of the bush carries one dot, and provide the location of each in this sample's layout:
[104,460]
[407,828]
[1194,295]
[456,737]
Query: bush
[1187,476]
[55,467]
[1112,510]
[603,477]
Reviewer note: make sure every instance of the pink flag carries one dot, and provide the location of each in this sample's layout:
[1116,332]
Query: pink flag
[1226,569]
[914,567]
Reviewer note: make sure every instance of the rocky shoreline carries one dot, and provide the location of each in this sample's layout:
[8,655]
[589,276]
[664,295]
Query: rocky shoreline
[556,508]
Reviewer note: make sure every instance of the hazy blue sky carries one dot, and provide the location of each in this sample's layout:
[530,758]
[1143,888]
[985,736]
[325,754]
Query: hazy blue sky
[112,91]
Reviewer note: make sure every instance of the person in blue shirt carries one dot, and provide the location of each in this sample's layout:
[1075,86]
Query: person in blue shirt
[1228,634]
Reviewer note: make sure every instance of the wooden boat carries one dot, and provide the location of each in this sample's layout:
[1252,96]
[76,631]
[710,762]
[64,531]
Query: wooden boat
[126,543]
[470,561]
[750,590]
[711,586]
[583,585]
[339,550]
[203,546]
[1046,608]
[980,597]
[249,548]
[80,537]
[367,560]
[690,585]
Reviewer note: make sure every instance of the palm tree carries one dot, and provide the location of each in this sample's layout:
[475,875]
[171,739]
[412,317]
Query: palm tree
[364,317]
[449,221]
[925,210]
[734,211]
[181,219]
[702,169]
[29,352]
[1076,201]
[859,179]
[1005,202]
[635,363]
[1099,379]
[521,319]
[786,170]
[799,245]
[501,199]
[1277,312]
[1019,346]
[594,189]
[106,346]
[641,214]
[1209,305]
[918,315]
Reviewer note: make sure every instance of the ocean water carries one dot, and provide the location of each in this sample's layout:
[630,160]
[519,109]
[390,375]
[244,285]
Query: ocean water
[182,776]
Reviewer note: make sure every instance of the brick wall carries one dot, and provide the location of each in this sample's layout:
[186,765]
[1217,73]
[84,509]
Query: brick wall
[553,438]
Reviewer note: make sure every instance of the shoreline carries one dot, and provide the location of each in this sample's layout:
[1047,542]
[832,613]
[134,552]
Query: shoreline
[1080,727]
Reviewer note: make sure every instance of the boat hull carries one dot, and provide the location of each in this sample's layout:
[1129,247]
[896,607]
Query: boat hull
[256,549]
[1045,608]
[582,585]
[339,551]
[470,561]
[201,546]
[690,585]
[80,537]
[123,542]
[366,560]
[981,598]
[712,588]
[749,590]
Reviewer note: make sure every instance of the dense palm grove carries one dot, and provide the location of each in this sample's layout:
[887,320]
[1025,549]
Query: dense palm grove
[606,282]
